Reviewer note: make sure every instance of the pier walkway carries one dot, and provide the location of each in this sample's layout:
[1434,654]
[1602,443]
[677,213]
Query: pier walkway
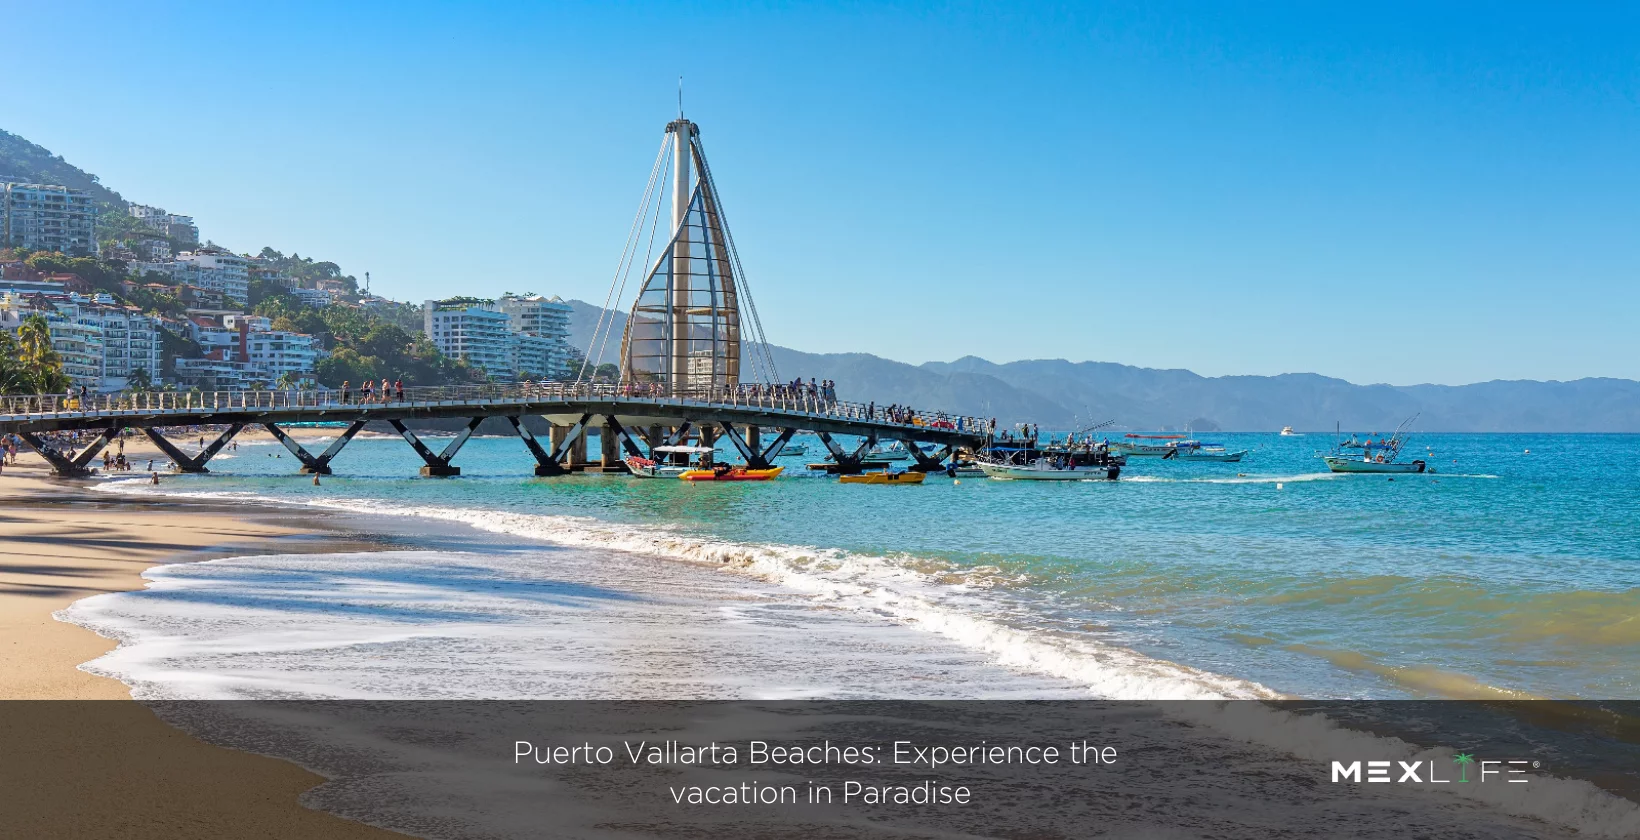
[625,417]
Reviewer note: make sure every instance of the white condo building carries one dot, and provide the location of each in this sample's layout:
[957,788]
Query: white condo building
[545,321]
[215,269]
[474,330]
[180,228]
[101,346]
[45,217]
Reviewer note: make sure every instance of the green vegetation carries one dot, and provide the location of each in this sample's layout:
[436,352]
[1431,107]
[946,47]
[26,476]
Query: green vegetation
[307,270]
[26,163]
[28,364]
[366,345]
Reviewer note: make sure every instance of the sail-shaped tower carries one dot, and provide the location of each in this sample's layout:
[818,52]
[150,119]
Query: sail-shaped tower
[683,334]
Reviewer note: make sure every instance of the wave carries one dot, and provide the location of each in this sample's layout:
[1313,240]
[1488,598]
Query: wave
[939,601]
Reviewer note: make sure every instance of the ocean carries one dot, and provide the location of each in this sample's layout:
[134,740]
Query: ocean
[1511,572]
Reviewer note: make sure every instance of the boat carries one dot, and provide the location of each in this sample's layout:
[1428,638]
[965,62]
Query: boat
[1374,456]
[792,450]
[1287,431]
[1134,446]
[882,454]
[965,469]
[884,477]
[725,472]
[659,468]
[1195,450]
[1046,469]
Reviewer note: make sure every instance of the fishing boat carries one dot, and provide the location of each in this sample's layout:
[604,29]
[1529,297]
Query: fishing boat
[659,466]
[1195,450]
[1374,456]
[965,469]
[1047,469]
[1137,446]
[884,477]
[725,472]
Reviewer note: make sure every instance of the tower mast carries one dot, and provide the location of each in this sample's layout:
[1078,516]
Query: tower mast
[683,134]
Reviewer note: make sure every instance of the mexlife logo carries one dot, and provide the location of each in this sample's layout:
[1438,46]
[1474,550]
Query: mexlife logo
[1433,772]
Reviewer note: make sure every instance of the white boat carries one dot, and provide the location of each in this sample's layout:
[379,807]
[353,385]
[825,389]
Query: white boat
[1374,456]
[1366,464]
[883,454]
[1136,446]
[1044,470]
[1287,431]
[793,449]
[1191,450]
[647,468]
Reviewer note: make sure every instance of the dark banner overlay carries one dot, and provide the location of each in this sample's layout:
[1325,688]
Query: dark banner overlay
[840,769]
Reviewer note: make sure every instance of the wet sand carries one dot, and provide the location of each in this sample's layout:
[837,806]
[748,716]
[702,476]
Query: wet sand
[114,769]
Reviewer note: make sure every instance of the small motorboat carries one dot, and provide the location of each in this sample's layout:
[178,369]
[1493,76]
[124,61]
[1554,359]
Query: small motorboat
[1195,450]
[658,466]
[893,452]
[645,468]
[793,450]
[1136,446]
[725,472]
[1374,456]
[884,477]
[1287,431]
[1045,469]
[965,469]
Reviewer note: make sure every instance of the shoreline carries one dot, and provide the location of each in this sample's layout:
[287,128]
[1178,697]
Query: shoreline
[133,774]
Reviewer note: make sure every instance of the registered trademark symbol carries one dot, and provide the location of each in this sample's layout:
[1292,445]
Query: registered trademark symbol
[1536,765]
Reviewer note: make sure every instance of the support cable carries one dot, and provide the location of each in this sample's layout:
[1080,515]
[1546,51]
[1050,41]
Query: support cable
[606,320]
[762,340]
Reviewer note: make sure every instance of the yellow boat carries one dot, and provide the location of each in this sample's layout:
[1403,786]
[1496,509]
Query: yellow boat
[885,477]
[724,472]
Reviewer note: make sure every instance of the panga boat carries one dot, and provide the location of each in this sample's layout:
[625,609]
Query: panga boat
[1195,450]
[647,468]
[1044,469]
[793,449]
[724,472]
[1136,446]
[1374,456]
[884,477]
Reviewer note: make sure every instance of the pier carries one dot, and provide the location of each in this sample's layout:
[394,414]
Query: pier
[626,421]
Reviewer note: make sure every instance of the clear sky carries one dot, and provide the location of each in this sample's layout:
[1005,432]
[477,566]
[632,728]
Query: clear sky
[1402,194]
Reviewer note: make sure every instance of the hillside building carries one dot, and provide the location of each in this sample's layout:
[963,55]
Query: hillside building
[540,318]
[44,217]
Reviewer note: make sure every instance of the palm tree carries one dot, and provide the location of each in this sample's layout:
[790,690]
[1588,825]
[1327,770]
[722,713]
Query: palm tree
[1463,760]
[40,359]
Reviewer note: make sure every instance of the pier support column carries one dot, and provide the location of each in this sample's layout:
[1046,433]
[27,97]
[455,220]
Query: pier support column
[77,467]
[438,466]
[562,439]
[609,447]
[926,464]
[195,463]
[756,458]
[312,464]
[848,463]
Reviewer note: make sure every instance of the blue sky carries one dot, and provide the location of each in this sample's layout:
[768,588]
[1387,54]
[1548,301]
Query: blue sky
[1403,194]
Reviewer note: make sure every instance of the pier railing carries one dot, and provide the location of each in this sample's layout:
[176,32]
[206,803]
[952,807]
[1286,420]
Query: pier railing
[778,398]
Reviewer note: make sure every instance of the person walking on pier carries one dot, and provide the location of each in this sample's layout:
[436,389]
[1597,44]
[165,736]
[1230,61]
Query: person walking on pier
[346,394]
[398,390]
[387,390]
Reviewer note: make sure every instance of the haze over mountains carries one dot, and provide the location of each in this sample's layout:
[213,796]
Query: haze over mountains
[1060,394]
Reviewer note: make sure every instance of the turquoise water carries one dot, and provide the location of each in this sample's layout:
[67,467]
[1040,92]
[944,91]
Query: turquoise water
[1514,570]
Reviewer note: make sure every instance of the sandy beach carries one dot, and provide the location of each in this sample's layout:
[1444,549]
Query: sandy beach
[113,769]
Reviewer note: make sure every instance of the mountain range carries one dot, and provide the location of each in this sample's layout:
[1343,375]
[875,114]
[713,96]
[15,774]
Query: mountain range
[1060,394]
